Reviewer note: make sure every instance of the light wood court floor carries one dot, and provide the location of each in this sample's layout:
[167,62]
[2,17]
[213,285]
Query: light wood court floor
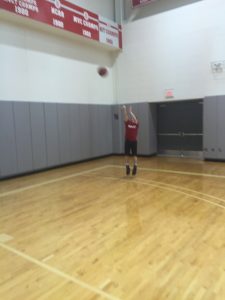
[87,232]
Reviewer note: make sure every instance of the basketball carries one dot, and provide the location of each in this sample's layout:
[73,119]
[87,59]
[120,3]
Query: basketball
[102,71]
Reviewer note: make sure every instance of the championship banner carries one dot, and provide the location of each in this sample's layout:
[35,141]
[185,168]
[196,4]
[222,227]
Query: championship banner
[67,16]
[136,3]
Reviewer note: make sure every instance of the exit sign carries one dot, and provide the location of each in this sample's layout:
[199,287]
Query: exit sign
[169,94]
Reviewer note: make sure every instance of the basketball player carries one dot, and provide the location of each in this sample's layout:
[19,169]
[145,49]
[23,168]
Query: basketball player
[131,131]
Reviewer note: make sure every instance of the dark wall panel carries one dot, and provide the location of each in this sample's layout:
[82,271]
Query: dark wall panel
[153,128]
[144,129]
[64,133]
[210,127]
[108,132]
[104,130]
[117,129]
[52,138]
[85,132]
[221,127]
[180,127]
[36,136]
[37,118]
[95,127]
[8,159]
[23,136]
[74,117]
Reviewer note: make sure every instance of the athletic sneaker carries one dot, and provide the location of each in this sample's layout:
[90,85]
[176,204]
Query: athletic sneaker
[127,170]
[134,172]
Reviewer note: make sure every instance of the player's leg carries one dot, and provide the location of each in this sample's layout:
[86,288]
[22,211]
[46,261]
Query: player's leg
[127,153]
[134,153]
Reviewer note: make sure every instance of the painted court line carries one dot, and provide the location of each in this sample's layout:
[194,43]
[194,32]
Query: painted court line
[174,172]
[167,188]
[50,181]
[187,189]
[105,283]
[59,273]
[5,238]
[181,192]
[170,185]
[47,258]
[183,188]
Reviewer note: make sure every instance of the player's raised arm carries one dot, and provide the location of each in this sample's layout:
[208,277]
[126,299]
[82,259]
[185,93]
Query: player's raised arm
[132,115]
[125,114]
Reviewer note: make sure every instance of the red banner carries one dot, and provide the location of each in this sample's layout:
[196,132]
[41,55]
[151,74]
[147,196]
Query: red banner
[67,16]
[136,3]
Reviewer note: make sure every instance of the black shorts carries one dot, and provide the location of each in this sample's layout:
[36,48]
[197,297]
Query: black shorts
[131,148]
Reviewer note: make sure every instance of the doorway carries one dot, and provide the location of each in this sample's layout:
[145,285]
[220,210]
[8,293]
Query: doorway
[180,128]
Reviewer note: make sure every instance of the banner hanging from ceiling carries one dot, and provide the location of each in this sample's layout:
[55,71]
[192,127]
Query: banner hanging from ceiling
[136,3]
[67,16]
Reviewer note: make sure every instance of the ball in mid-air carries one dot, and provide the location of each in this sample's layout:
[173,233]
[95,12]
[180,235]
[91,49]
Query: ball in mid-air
[102,71]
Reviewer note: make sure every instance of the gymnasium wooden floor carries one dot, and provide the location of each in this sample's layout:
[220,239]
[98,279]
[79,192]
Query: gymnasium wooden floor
[86,232]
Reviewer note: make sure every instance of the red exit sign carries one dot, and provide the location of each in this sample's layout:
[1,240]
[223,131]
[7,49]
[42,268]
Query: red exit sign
[169,94]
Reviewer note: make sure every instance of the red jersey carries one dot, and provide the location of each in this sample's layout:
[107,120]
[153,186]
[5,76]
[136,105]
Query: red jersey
[131,130]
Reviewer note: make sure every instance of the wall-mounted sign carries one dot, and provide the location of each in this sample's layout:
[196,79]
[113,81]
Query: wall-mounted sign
[67,16]
[136,3]
[218,66]
[169,94]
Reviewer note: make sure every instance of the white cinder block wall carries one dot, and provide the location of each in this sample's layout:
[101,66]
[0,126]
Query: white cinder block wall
[49,66]
[173,50]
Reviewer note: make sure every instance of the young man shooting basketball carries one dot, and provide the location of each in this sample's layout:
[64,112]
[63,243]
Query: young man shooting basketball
[131,131]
